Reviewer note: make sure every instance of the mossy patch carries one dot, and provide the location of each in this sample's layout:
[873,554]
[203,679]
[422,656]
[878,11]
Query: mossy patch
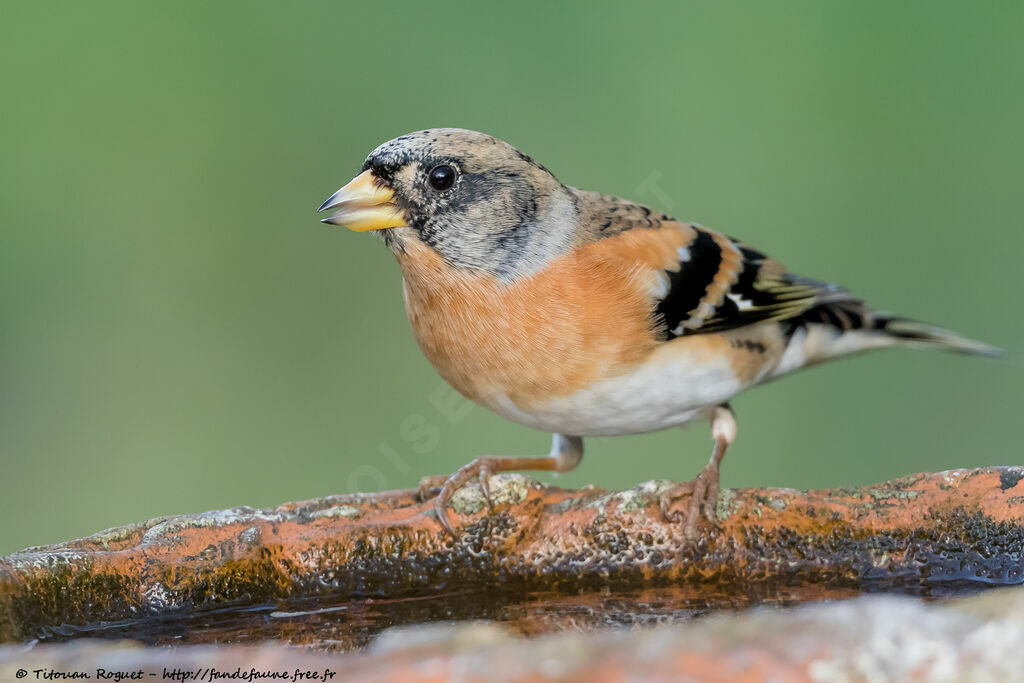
[346,511]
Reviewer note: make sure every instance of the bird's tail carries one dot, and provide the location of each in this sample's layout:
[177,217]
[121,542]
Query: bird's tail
[907,332]
[847,326]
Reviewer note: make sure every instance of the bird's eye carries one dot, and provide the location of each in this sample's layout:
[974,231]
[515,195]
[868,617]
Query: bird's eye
[442,177]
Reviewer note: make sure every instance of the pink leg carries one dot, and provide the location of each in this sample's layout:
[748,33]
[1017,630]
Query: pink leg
[566,453]
[703,490]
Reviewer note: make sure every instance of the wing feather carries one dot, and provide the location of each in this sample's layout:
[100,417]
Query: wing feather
[724,284]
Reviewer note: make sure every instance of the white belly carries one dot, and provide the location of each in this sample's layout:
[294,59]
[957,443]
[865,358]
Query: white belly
[668,390]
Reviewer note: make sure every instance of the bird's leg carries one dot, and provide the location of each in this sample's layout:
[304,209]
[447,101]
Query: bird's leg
[566,453]
[703,490]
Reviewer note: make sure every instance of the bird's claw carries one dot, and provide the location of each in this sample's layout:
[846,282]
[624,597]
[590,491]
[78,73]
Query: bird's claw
[702,495]
[430,486]
[481,468]
[484,477]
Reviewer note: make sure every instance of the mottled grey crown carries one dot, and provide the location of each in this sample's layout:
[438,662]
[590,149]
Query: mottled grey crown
[505,213]
[474,149]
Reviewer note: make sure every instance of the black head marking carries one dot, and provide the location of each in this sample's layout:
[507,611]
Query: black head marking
[503,213]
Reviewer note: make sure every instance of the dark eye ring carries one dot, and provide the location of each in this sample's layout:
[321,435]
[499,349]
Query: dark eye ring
[442,177]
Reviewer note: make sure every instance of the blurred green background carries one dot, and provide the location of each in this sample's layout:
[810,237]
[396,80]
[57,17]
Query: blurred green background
[179,333]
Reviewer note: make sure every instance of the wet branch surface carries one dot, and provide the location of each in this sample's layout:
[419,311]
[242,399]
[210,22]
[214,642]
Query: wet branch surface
[332,572]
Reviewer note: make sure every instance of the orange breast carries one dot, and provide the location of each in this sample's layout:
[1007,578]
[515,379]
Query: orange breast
[585,317]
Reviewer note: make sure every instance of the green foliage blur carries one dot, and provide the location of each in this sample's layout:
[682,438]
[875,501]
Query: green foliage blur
[179,333]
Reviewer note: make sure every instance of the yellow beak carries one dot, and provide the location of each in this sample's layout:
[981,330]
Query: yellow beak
[363,205]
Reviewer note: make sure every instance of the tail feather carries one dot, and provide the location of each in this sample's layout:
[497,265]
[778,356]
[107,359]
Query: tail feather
[914,333]
[847,326]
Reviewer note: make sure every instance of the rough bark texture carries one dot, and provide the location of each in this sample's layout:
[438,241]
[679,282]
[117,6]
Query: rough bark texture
[874,638]
[959,525]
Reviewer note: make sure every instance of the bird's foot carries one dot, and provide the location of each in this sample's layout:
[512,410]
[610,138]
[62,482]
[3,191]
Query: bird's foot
[565,454]
[430,486]
[441,488]
[702,499]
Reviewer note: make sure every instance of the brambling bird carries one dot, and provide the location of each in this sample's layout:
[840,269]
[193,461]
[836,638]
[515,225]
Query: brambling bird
[582,314]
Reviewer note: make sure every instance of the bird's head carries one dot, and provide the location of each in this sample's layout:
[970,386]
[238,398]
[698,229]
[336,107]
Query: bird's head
[475,200]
